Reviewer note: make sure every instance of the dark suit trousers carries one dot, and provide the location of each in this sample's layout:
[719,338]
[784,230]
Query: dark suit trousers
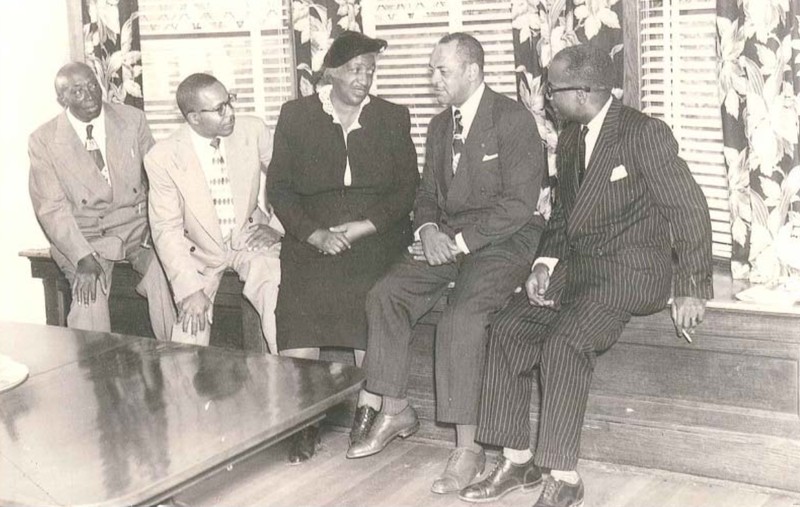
[483,282]
[563,343]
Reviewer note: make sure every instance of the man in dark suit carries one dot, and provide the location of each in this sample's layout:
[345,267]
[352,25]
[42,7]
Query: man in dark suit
[89,193]
[625,204]
[475,219]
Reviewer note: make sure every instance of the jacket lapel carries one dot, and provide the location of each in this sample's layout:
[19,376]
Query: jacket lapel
[473,147]
[598,172]
[191,182]
[84,169]
[118,139]
[237,164]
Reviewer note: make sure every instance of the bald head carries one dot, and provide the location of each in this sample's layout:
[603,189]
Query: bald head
[77,89]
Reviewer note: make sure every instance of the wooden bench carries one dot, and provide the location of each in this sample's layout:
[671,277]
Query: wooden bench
[236,322]
[726,406]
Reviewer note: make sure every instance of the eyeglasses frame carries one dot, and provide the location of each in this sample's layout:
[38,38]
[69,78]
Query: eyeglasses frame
[222,107]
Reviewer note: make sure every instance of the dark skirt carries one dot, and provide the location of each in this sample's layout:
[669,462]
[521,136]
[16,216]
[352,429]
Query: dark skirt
[321,301]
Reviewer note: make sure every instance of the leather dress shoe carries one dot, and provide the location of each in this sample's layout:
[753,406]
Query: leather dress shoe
[385,429]
[462,467]
[362,423]
[503,479]
[303,444]
[560,494]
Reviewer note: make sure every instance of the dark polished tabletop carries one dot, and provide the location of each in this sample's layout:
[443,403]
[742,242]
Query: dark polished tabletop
[108,419]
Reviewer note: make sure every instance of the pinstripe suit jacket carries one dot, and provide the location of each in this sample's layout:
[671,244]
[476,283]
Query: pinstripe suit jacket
[615,239]
[79,212]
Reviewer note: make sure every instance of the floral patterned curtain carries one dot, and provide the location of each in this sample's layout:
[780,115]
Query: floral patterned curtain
[759,76]
[316,24]
[541,28]
[112,49]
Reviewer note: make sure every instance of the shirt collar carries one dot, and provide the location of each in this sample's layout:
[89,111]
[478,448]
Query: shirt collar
[470,108]
[596,123]
[324,93]
[202,145]
[99,123]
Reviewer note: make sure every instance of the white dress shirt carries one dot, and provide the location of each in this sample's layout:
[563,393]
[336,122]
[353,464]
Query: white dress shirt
[98,134]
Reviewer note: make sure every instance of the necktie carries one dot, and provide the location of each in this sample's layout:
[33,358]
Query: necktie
[458,138]
[220,186]
[96,154]
[582,153]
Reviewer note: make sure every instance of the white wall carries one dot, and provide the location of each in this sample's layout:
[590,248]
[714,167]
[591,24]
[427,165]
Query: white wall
[33,45]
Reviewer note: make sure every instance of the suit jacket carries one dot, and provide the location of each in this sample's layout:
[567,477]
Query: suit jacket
[615,234]
[79,211]
[184,222]
[306,176]
[495,189]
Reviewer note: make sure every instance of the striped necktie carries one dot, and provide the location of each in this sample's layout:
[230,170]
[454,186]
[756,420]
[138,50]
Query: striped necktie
[458,138]
[94,151]
[220,186]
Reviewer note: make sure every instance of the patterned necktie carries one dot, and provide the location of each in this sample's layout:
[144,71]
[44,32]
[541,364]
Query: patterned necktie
[220,186]
[96,154]
[458,138]
[582,153]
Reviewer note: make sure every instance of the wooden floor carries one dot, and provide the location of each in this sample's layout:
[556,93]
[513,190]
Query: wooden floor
[402,474]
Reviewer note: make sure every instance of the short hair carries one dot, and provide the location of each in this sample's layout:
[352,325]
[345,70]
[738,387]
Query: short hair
[587,65]
[468,49]
[186,95]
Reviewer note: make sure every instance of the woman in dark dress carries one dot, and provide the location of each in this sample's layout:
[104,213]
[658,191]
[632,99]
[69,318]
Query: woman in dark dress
[342,181]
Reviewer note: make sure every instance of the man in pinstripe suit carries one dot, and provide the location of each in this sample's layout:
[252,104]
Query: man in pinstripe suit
[625,205]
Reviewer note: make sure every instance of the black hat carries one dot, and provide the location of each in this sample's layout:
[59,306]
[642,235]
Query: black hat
[348,45]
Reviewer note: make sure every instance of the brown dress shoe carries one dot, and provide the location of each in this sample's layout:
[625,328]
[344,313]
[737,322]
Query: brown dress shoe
[385,429]
[462,468]
[362,423]
[303,444]
[560,494]
[505,478]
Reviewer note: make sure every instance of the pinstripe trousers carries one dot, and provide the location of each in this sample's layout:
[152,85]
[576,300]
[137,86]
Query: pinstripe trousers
[563,343]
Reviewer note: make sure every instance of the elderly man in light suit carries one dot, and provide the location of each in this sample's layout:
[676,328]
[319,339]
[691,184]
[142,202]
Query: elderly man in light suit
[204,212]
[89,194]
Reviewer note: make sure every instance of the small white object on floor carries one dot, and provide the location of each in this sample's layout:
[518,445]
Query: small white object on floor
[12,373]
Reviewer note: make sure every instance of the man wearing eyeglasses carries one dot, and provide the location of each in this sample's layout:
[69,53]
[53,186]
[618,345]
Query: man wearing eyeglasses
[204,211]
[89,193]
[625,205]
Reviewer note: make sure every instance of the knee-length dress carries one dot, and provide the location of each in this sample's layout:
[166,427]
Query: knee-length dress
[321,298]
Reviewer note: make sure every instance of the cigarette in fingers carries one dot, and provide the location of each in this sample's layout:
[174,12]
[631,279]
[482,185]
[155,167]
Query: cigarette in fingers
[686,335]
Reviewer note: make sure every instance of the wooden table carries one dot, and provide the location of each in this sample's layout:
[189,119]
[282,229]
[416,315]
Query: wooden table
[108,419]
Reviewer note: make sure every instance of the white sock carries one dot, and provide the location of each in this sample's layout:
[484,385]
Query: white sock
[517,456]
[569,476]
[371,400]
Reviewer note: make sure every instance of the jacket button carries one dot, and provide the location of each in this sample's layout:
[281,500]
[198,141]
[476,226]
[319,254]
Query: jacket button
[135,191]
[185,232]
[102,232]
[192,249]
[83,201]
[250,220]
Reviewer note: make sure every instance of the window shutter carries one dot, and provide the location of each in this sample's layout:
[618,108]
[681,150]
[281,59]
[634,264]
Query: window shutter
[413,28]
[246,44]
[679,85]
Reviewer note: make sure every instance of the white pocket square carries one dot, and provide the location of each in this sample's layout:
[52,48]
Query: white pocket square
[487,157]
[618,173]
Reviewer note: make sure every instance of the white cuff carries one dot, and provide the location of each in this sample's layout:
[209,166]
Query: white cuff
[550,262]
[462,245]
[416,233]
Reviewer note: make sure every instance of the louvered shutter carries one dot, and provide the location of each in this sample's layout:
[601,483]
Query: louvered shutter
[679,85]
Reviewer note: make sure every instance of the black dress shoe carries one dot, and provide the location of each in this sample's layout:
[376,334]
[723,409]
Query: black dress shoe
[303,444]
[362,423]
[560,494]
[505,478]
[385,429]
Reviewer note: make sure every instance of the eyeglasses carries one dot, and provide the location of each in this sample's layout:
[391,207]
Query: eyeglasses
[222,108]
[550,90]
[81,91]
